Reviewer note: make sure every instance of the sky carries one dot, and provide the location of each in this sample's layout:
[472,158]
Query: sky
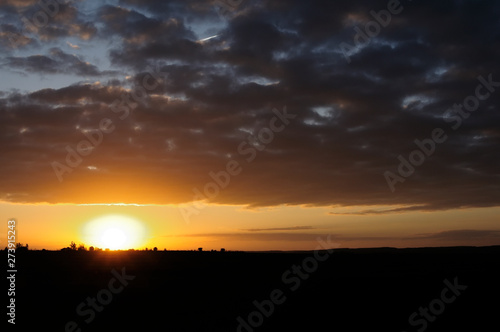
[250,125]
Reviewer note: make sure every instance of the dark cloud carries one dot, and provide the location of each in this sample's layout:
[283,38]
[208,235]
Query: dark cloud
[271,237]
[56,62]
[352,119]
[382,211]
[296,228]
[461,235]
[12,38]
[47,21]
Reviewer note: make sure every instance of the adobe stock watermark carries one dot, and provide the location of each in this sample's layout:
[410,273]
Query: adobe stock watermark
[427,147]
[40,19]
[248,148]
[291,279]
[371,29]
[11,270]
[88,310]
[423,317]
[122,106]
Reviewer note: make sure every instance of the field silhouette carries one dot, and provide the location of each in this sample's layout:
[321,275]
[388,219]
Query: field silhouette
[352,290]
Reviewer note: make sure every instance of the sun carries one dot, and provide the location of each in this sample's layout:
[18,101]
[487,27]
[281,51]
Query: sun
[113,238]
[114,232]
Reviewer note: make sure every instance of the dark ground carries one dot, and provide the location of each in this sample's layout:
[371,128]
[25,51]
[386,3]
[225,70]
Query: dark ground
[353,290]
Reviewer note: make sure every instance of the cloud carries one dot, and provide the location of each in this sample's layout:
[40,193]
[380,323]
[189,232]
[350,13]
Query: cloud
[266,237]
[75,47]
[352,120]
[383,211]
[55,21]
[57,62]
[295,228]
[19,3]
[12,38]
[461,235]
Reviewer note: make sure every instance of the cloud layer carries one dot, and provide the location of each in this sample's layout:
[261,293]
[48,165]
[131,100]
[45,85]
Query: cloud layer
[191,102]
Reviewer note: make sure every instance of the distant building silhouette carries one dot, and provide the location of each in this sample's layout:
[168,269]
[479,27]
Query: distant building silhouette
[200,249]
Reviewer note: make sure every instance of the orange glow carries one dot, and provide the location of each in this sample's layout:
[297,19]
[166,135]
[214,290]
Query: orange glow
[237,228]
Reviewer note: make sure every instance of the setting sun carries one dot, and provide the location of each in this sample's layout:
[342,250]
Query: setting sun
[113,238]
[114,232]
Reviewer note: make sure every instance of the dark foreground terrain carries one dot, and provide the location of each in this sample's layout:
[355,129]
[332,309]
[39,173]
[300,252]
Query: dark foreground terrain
[351,290]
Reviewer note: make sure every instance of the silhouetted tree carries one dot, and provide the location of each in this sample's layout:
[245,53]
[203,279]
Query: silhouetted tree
[155,249]
[20,247]
[72,246]
[81,247]
[91,248]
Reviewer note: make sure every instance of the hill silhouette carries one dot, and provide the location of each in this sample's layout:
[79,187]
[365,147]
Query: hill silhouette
[352,290]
